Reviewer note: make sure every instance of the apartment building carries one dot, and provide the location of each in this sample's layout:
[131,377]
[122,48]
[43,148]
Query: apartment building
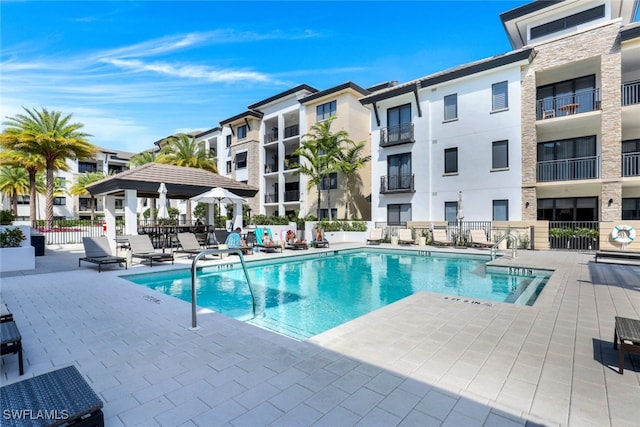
[547,131]
[67,206]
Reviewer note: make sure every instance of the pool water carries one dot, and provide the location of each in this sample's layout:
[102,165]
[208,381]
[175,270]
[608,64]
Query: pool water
[306,295]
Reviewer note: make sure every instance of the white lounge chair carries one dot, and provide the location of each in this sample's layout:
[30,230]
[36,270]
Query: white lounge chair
[440,238]
[141,247]
[479,239]
[405,236]
[375,237]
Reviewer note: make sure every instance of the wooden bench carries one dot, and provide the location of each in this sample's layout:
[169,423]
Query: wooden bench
[11,342]
[60,397]
[627,331]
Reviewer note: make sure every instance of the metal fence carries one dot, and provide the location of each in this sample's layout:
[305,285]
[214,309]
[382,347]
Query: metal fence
[64,231]
[574,235]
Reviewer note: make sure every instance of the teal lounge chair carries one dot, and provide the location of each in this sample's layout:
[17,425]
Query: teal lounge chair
[321,242]
[261,245]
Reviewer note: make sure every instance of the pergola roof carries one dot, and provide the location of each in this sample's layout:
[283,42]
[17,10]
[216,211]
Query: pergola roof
[181,182]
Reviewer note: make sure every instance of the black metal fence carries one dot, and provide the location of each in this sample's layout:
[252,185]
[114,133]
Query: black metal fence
[574,235]
[67,231]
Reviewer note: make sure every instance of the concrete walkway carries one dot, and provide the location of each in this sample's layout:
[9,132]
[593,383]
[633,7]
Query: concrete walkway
[425,360]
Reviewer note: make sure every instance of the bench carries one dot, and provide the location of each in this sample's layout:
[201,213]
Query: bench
[11,342]
[5,314]
[627,331]
[60,397]
[618,257]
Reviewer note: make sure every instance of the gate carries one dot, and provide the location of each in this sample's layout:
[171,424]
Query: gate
[574,235]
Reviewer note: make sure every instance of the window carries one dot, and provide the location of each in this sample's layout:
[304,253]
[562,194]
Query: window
[567,22]
[228,142]
[59,201]
[451,211]
[324,111]
[631,209]
[501,210]
[399,124]
[23,200]
[398,214]
[579,94]
[567,159]
[242,132]
[116,169]
[499,154]
[451,107]
[119,204]
[87,167]
[631,157]
[399,172]
[324,213]
[330,182]
[568,209]
[229,166]
[499,96]
[451,160]
[241,160]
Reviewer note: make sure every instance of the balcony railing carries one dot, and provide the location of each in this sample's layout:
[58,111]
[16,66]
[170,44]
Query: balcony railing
[569,169]
[398,134]
[631,164]
[567,105]
[292,196]
[397,184]
[270,168]
[631,93]
[291,162]
[291,131]
[270,136]
[271,198]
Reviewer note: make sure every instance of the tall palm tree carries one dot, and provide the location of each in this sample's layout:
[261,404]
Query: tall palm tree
[142,159]
[14,182]
[79,188]
[329,146]
[312,167]
[34,164]
[51,135]
[350,162]
[183,150]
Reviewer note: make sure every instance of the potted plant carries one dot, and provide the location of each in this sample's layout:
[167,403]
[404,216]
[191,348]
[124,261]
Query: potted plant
[422,239]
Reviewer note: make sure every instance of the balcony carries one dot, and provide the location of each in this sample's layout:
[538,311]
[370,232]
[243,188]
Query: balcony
[271,136]
[271,198]
[291,131]
[631,164]
[397,184]
[631,93]
[291,162]
[396,135]
[292,196]
[568,105]
[569,169]
[270,168]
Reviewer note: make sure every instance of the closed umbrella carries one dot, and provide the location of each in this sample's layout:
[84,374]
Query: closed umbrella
[163,212]
[218,195]
[460,217]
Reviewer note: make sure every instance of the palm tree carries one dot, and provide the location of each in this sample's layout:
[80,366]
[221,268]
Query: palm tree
[79,188]
[49,134]
[328,148]
[349,162]
[14,182]
[312,167]
[34,164]
[142,159]
[183,150]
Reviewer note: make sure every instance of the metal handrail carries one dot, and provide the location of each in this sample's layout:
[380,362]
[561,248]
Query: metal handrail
[194,320]
[514,245]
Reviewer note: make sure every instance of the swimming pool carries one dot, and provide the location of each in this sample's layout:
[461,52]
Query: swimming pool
[303,296]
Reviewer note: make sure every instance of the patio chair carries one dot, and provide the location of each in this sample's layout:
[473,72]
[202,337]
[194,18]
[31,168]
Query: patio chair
[98,251]
[141,247]
[405,236]
[234,241]
[440,238]
[266,247]
[319,241]
[188,243]
[11,342]
[63,392]
[479,239]
[375,237]
[5,313]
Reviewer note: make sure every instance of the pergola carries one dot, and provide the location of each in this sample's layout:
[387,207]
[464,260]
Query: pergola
[144,181]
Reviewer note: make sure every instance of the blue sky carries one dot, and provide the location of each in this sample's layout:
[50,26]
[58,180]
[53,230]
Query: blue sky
[136,72]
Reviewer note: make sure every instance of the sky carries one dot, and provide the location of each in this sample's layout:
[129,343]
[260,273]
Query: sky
[135,72]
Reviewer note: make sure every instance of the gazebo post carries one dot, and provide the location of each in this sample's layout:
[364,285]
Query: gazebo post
[130,212]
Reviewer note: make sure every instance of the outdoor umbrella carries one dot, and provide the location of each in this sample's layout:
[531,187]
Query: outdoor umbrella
[163,213]
[219,195]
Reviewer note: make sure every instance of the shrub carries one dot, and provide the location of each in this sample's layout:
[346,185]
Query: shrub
[6,217]
[11,238]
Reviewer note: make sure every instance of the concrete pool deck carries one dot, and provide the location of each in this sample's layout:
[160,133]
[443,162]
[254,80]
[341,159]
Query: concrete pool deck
[426,360]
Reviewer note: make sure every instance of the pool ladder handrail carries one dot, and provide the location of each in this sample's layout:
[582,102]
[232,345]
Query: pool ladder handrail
[514,246]
[194,320]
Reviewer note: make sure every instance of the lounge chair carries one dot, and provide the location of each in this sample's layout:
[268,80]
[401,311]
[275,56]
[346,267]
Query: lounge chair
[405,236]
[98,251]
[62,393]
[479,239]
[440,238]
[375,237]
[234,241]
[319,241]
[141,247]
[188,243]
[271,247]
